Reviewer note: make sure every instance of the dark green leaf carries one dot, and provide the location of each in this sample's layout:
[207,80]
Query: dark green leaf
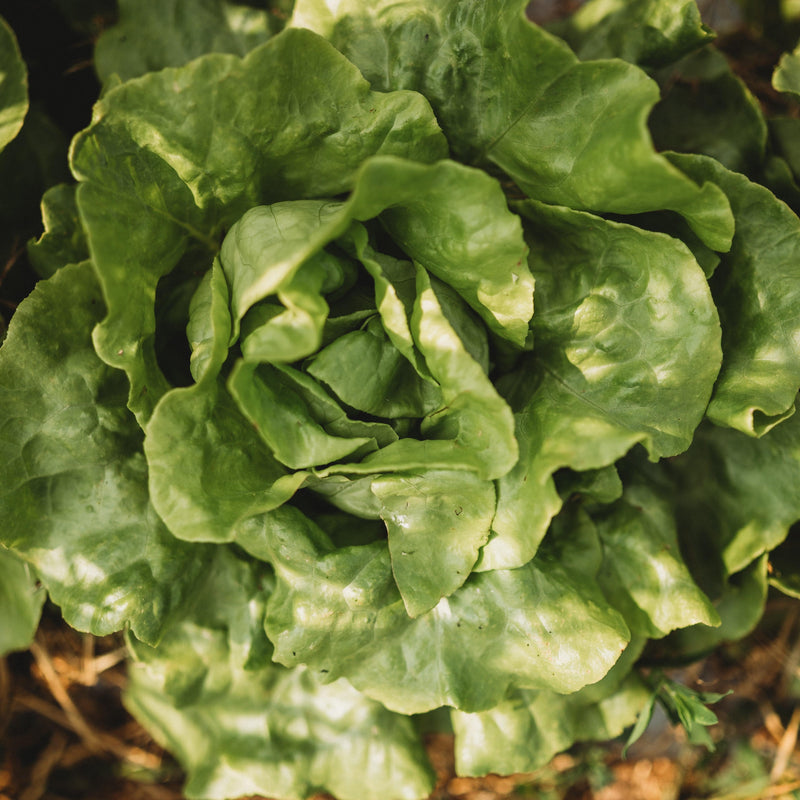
[757,292]
[63,241]
[74,499]
[707,109]
[153,34]
[650,33]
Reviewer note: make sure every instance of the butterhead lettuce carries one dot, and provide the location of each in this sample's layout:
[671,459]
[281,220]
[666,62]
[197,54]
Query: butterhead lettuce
[386,367]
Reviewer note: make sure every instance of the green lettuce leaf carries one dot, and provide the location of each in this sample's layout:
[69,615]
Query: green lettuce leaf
[13,86]
[21,601]
[740,606]
[274,249]
[74,499]
[153,34]
[473,429]
[209,470]
[533,114]
[437,522]
[706,109]
[339,611]
[524,731]
[757,292]
[209,325]
[736,495]
[786,77]
[282,417]
[627,350]
[395,291]
[293,327]
[63,240]
[451,219]
[474,416]
[367,372]
[241,728]
[734,500]
[194,141]
[264,253]
[595,485]
[455,222]
[643,573]
[651,33]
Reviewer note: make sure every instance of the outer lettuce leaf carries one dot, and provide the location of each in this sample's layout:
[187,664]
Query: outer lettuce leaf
[786,77]
[21,601]
[339,612]
[204,143]
[651,33]
[153,34]
[735,500]
[706,109]
[757,292]
[740,606]
[525,730]
[627,350]
[74,499]
[643,574]
[240,728]
[546,119]
[737,495]
[13,86]
[63,240]
[630,550]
